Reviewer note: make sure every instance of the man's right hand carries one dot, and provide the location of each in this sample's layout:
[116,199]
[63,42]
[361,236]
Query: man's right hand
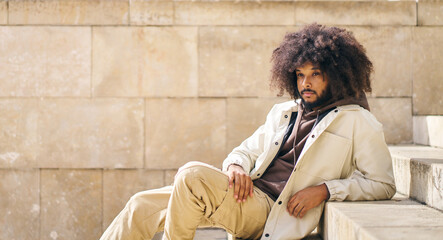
[241,182]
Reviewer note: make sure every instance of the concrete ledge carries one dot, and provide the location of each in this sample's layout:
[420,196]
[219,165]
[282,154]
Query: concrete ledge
[399,218]
[428,130]
[418,172]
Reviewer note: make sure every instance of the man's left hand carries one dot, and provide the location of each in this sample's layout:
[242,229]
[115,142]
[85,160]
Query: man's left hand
[306,199]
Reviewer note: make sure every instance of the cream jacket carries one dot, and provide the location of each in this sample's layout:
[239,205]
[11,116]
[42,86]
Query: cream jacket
[346,150]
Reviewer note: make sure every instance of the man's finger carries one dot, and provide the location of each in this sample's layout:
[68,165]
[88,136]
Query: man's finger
[236,185]
[231,179]
[247,188]
[241,191]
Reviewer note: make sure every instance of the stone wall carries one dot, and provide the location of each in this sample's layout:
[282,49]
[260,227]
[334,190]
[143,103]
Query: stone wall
[100,99]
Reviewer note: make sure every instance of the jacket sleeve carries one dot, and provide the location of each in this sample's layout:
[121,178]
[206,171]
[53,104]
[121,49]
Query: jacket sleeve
[247,153]
[373,178]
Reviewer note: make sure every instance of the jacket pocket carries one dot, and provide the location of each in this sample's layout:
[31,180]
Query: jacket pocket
[326,156]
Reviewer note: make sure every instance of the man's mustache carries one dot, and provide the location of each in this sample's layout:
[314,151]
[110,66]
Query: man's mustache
[308,90]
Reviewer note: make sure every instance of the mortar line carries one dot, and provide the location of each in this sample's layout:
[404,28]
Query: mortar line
[91,62]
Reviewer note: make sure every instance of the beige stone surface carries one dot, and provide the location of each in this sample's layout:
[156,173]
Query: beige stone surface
[120,185]
[68,12]
[3,11]
[145,61]
[147,12]
[427,70]
[418,172]
[19,204]
[45,61]
[365,220]
[389,49]
[234,13]
[430,12]
[183,130]
[71,204]
[18,133]
[91,133]
[396,116]
[235,61]
[427,130]
[356,12]
[245,115]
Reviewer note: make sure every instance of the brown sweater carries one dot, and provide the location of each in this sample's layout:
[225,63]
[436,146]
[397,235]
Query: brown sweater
[275,177]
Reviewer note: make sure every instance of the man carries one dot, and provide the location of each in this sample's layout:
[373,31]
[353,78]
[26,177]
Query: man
[325,145]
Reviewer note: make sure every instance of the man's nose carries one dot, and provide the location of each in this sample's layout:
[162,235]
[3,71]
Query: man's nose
[306,83]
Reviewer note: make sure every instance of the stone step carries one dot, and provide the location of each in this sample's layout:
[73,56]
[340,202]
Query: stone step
[203,234]
[418,172]
[399,218]
[428,130]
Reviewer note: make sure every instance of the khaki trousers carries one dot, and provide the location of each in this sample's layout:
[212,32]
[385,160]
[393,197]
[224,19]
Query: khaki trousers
[199,197]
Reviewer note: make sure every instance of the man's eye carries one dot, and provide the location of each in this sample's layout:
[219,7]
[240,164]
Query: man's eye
[299,75]
[316,74]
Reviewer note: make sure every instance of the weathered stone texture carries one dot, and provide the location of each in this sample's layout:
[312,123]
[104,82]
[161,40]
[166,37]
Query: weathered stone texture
[430,12]
[396,116]
[235,61]
[427,71]
[79,12]
[45,61]
[71,204]
[3,11]
[152,61]
[428,130]
[389,49]
[361,220]
[18,133]
[19,204]
[234,13]
[245,115]
[120,185]
[356,12]
[151,12]
[87,133]
[183,130]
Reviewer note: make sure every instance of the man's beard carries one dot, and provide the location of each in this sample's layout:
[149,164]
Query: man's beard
[322,99]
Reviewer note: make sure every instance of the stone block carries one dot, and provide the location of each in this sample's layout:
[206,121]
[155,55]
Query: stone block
[389,49]
[427,72]
[234,13]
[71,204]
[418,172]
[91,133]
[145,61]
[18,133]
[120,185]
[45,61]
[235,61]
[381,220]
[356,12]
[19,204]
[147,12]
[430,12]
[3,12]
[69,12]
[183,130]
[427,130]
[396,116]
[245,115]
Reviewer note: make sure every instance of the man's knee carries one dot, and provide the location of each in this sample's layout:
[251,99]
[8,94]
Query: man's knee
[192,171]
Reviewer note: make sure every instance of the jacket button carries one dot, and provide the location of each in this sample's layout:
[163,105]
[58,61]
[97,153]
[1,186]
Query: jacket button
[276,143]
[258,174]
[286,116]
[335,110]
[267,235]
[313,136]
[280,202]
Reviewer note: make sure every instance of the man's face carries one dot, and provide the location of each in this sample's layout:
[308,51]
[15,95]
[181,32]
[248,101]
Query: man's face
[312,85]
